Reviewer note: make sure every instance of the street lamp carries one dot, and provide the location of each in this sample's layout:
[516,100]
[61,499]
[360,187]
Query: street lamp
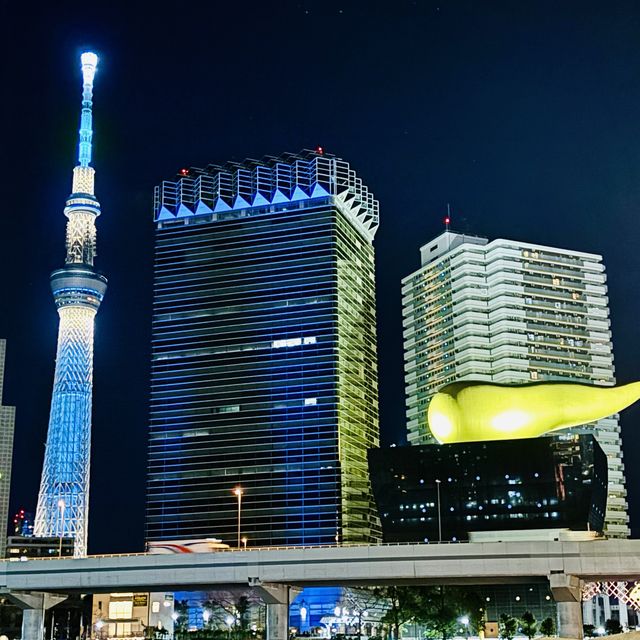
[61,506]
[229,620]
[238,492]
[439,514]
[244,542]
[464,620]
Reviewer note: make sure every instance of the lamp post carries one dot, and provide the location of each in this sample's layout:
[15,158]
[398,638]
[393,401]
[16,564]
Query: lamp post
[244,542]
[61,506]
[439,514]
[465,621]
[238,492]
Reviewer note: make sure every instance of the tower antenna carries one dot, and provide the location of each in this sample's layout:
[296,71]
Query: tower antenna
[447,219]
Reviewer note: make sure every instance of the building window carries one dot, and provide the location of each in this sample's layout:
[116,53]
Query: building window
[121,610]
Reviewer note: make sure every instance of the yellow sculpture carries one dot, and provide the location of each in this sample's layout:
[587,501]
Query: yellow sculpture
[472,411]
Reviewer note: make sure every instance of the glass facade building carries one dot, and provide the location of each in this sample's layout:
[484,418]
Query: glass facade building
[264,373]
[510,312]
[428,492]
[7,428]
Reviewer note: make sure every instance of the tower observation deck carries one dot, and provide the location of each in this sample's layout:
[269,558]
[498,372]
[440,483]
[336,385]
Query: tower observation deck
[78,290]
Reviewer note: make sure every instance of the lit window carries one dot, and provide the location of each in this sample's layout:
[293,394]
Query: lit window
[292,342]
[234,408]
[310,402]
[121,610]
[155,607]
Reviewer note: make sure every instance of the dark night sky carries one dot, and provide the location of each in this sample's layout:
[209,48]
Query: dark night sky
[523,115]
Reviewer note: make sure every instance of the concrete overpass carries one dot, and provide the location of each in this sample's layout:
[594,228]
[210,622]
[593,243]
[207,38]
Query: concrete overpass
[273,572]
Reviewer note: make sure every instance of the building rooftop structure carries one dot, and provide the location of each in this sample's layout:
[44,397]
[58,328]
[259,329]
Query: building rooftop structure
[232,190]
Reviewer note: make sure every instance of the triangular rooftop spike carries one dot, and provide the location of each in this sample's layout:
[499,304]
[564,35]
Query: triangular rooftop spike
[259,200]
[221,205]
[278,196]
[202,208]
[299,194]
[183,211]
[165,214]
[319,191]
[240,203]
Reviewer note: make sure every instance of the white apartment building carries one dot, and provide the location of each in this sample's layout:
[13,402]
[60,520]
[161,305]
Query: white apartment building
[510,312]
[7,425]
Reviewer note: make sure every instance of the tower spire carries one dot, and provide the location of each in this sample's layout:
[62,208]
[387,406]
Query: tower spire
[89,62]
[78,290]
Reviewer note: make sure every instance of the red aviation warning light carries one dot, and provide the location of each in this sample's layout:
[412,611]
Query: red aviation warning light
[184,172]
[320,150]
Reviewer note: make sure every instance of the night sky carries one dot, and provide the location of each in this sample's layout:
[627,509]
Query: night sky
[524,116]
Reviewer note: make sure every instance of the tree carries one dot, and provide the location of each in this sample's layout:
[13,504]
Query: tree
[225,606]
[441,608]
[508,626]
[403,605]
[528,624]
[181,622]
[612,627]
[588,630]
[548,627]
[360,600]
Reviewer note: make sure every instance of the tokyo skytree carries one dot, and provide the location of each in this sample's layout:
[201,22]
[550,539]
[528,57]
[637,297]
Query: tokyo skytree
[63,500]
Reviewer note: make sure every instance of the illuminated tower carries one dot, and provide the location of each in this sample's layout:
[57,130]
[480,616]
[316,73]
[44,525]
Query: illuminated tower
[78,289]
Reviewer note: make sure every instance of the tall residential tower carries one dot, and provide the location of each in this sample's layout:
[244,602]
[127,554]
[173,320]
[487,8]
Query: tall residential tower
[510,312]
[7,425]
[264,374]
[63,501]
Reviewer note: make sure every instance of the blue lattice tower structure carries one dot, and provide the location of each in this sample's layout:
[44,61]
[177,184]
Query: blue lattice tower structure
[78,290]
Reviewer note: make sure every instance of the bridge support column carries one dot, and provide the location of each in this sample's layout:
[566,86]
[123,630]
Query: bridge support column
[277,597]
[567,594]
[33,605]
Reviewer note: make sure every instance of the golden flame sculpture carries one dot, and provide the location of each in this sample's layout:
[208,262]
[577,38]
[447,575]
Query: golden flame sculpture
[473,411]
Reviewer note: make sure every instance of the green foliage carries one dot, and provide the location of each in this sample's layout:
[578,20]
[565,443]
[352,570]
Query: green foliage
[612,627]
[181,608]
[403,605]
[508,627]
[437,608]
[589,630]
[548,627]
[528,624]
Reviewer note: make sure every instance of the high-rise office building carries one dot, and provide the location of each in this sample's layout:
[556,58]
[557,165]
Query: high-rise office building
[7,426]
[510,312]
[78,289]
[264,396]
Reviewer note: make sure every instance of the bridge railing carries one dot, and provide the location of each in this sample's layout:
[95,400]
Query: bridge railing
[349,545]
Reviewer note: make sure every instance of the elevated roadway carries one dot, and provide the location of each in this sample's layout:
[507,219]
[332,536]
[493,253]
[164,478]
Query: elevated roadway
[466,563]
[273,571]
